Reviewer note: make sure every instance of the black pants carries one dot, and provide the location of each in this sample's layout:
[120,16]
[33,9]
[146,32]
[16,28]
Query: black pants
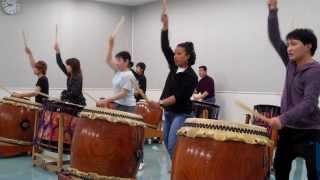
[295,143]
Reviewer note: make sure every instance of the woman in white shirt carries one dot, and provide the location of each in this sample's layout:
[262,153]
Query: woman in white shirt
[123,98]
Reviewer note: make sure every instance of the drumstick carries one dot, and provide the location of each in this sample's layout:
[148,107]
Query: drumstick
[137,88]
[91,97]
[24,39]
[164,7]
[116,30]
[6,90]
[56,35]
[248,109]
[11,93]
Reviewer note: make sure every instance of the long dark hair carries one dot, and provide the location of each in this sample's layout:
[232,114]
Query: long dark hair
[75,66]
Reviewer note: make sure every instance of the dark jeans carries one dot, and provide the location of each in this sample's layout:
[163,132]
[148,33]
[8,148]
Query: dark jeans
[295,143]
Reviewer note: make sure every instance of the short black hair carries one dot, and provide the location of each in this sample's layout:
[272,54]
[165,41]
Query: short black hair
[142,66]
[189,48]
[203,67]
[306,36]
[125,55]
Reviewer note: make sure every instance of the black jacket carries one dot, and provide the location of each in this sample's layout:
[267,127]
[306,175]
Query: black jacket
[73,93]
[142,84]
[181,85]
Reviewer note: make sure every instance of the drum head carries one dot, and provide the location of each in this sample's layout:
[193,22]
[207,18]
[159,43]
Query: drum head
[225,131]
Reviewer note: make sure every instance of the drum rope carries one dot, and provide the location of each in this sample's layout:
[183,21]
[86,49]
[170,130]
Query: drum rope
[224,131]
[226,128]
[93,176]
[13,141]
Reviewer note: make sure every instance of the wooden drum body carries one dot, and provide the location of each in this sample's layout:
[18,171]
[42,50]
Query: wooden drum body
[17,118]
[107,144]
[218,150]
[151,115]
[48,128]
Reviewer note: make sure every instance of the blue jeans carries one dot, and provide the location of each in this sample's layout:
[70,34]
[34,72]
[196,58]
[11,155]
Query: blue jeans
[172,123]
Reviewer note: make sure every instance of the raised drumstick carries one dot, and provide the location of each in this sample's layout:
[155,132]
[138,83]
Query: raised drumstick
[164,6]
[56,35]
[24,39]
[248,109]
[116,30]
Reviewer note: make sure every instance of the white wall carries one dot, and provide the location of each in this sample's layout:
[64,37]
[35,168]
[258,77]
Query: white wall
[230,37]
[84,27]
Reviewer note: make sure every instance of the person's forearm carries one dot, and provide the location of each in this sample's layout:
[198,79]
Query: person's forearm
[168,101]
[307,105]
[60,63]
[275,36]
[109,58]
[204,95]
[165,27]
[29,94]
[109,55]
[32,61]
[118,96]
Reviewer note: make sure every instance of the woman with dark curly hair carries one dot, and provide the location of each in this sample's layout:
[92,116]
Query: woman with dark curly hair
[179,87]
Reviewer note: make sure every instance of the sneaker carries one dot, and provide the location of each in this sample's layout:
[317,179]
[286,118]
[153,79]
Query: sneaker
[141,166]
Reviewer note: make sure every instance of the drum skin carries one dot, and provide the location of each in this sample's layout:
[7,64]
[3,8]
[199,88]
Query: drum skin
[204,158]
[150,114]
[106,148]
[17,122]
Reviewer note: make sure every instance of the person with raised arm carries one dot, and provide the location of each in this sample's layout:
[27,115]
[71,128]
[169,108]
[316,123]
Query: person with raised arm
[72,70]
[299,122]
[42,86]
[179,87]
[123,98]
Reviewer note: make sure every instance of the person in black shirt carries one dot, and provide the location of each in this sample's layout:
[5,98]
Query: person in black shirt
[42,85]
[179,87]
[141,78]
[73,72]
